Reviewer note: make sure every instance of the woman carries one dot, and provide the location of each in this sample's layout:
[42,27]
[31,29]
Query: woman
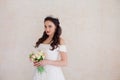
[55,50]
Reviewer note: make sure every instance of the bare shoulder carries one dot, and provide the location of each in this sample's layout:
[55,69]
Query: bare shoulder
[62,42]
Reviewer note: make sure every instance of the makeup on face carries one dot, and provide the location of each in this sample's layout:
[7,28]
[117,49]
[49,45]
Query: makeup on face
[49,28]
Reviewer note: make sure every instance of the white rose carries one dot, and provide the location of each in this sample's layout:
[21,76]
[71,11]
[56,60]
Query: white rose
[36,55]
[33,56]
[43,56]
[40,53]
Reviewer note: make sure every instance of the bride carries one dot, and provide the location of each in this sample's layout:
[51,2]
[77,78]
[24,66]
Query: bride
[55,50]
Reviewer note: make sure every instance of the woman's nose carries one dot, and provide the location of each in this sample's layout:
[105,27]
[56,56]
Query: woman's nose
[47,29]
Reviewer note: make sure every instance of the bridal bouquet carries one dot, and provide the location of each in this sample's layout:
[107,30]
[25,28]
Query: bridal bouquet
[36,57]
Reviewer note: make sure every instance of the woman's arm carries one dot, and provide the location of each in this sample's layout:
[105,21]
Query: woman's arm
[61,62]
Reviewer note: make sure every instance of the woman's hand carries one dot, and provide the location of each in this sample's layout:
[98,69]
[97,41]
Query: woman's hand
[36,64]
[41,63]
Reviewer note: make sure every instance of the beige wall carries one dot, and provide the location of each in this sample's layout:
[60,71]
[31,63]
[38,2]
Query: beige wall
[90,29]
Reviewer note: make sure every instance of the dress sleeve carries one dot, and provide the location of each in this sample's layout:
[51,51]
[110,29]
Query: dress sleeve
[62,48]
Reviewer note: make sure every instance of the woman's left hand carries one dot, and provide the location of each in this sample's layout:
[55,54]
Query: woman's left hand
[41,63]
[44,62]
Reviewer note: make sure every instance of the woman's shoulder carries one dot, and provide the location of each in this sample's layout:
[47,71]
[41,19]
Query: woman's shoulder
[62,46]
[62,42]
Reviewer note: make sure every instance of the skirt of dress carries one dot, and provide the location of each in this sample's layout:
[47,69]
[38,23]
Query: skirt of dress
[50,73]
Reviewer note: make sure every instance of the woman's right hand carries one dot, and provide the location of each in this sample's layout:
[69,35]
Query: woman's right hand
[36,64]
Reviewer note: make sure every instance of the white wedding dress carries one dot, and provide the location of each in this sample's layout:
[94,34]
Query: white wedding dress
[51,72]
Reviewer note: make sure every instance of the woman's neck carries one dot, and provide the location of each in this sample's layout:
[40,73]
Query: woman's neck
[50,37]
[48,40]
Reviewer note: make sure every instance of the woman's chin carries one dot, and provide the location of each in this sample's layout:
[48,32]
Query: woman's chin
[49,34]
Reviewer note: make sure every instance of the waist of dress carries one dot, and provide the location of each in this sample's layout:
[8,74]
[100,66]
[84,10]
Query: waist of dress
[51,67]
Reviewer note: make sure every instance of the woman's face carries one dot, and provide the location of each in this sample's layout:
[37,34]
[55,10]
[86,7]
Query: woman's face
[49,27]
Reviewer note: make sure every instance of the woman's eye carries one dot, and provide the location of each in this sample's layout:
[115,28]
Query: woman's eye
[50,26]
[45,26]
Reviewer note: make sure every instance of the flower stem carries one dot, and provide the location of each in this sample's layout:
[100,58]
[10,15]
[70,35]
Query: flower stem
[40,69]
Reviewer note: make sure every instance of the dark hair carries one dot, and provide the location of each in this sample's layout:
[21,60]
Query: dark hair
[56,38]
